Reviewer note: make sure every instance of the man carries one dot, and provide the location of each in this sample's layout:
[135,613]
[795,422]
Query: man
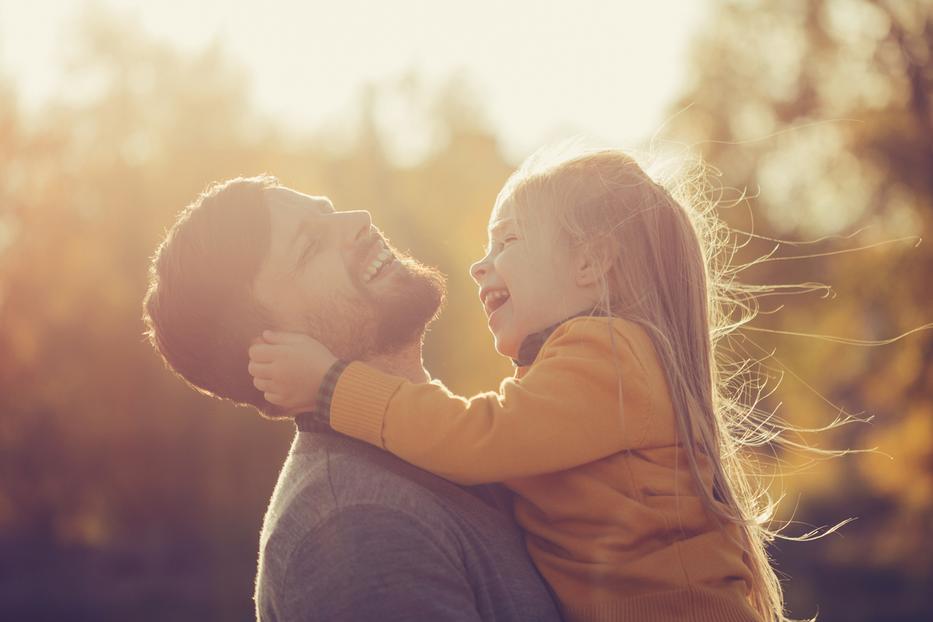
[351,533]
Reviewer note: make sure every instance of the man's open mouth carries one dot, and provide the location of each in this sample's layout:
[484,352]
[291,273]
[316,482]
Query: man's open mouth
[383,258]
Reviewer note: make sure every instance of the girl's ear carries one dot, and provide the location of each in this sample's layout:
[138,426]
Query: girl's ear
[591,263]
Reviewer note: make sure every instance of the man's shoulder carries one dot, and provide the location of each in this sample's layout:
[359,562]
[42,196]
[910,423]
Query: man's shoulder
[326,475]
[347,519]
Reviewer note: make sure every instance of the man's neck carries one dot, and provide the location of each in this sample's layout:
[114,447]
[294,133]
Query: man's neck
[406,363]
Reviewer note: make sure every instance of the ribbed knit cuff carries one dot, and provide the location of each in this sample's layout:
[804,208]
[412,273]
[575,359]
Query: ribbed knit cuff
[325,393]
[360,401]
[694,604]
[320,415]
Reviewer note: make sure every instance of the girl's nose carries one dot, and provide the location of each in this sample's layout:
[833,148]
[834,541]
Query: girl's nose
[480,269]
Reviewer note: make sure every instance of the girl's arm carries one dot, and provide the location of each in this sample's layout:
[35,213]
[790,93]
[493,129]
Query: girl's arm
[563,413]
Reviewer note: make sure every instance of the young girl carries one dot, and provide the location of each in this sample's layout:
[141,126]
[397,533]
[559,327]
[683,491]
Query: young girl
[612,433]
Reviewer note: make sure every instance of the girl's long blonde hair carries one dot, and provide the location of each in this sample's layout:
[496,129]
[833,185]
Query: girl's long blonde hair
[667,268]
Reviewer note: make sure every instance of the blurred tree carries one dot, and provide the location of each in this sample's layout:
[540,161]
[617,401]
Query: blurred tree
[125,494]
[116,489]
[822,110]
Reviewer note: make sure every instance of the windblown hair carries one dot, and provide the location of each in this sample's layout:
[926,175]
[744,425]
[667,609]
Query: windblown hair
[666,269]
[200,311]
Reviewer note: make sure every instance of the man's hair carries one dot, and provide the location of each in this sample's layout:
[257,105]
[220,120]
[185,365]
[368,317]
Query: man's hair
[200,311]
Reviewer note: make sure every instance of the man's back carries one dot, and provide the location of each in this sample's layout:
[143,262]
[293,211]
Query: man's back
[352,533]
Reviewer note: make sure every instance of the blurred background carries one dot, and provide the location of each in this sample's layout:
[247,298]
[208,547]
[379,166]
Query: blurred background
[125,495]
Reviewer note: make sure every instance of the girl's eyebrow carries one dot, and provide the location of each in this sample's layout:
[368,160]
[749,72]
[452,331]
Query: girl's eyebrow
[499,225]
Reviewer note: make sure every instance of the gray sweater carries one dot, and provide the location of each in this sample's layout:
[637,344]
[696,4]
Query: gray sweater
[353,533]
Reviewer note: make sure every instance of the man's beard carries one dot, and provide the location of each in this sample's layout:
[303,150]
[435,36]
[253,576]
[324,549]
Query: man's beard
[387,323]
[404,312]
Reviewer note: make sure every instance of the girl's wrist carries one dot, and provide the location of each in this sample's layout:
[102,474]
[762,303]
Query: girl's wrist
[325,393]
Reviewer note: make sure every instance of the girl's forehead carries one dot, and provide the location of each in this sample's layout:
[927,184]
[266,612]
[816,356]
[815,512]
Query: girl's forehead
[500,224]
[503,216]
[506,218]
[501,212]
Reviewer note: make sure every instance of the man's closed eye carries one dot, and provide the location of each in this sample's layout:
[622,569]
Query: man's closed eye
[310,248]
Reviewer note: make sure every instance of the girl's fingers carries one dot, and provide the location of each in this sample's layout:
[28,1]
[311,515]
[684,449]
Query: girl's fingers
[274,398]
[262,353]
[260,370]
[282,338]
[264,384]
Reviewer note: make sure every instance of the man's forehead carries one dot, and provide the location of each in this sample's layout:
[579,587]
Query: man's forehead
[283,197]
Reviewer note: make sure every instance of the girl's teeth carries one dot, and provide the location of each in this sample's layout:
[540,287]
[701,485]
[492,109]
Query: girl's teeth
[496,297]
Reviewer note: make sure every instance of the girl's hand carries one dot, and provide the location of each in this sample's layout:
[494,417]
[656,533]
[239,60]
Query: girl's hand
[288,368]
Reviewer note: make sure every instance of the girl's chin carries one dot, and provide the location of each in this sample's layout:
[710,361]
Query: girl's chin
[506,348]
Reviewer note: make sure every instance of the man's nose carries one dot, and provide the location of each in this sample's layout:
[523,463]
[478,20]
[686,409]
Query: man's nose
[357,224]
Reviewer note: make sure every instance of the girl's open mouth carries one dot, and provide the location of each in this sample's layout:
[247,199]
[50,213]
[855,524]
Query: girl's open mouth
[495,299]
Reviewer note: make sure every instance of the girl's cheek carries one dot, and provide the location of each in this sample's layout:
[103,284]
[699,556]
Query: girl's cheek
[499,267]
[503,262]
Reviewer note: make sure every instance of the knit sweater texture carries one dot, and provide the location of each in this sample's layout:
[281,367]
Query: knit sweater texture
[587,440]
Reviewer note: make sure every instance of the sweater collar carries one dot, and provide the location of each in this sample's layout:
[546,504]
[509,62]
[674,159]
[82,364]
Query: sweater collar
[532,344]
[311,422]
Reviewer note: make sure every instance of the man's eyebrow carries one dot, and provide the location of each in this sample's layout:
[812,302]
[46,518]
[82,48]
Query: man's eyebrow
[302,230]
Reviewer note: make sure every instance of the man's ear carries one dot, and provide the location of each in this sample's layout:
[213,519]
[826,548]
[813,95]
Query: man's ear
[591,263]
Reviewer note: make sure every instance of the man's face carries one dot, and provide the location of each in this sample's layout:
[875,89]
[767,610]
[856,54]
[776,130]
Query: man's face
[333,276]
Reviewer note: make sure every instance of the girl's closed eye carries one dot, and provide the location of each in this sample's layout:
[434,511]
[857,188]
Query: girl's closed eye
[498,245]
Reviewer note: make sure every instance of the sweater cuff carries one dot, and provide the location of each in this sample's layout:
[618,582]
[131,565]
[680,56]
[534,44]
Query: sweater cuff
[360,401]
[325,394]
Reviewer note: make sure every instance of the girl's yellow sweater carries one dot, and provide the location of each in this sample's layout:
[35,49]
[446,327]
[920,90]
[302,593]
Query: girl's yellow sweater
[604,493]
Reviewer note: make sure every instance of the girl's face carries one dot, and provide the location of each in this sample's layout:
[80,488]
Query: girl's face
[528,280]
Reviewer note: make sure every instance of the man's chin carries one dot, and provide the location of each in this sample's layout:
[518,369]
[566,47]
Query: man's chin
[405,309]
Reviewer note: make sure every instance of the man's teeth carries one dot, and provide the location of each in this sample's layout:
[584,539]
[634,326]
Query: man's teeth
[384,257]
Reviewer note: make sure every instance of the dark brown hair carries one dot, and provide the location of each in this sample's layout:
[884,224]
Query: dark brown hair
[200,311]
